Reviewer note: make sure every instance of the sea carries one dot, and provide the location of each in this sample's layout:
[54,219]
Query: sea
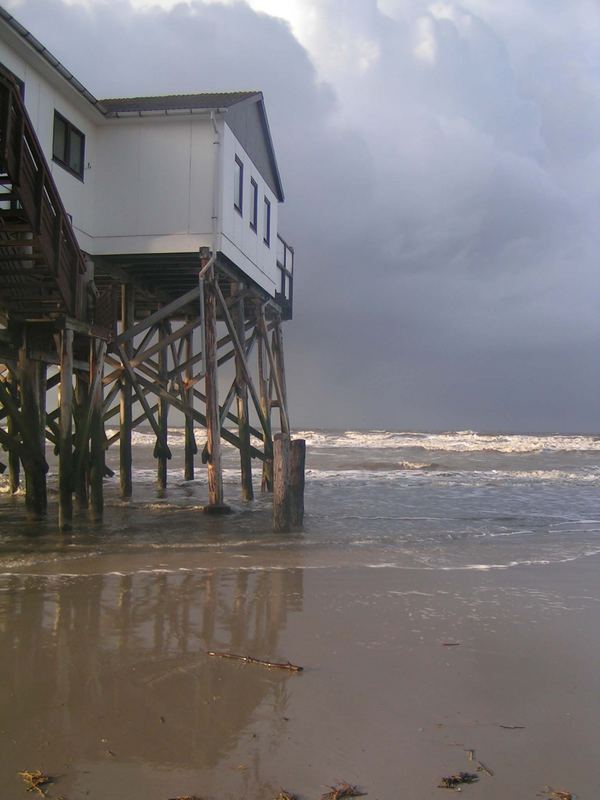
[457,500]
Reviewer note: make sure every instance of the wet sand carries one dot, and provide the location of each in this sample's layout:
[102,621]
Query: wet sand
[105,684]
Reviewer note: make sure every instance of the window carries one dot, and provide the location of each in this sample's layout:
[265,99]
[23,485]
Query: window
[68,146]
[267,223]
[238,185]
[253,204]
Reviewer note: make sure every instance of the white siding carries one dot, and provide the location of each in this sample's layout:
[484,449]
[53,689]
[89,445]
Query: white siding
[238,241]
[154,185]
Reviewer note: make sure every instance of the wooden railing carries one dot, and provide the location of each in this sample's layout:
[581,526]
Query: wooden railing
[285,262]
[23,161]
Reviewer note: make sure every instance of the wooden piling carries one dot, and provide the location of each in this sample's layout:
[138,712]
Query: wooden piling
[81,476]
[33,409]
[190,440]
[126,398]
[238,313]
[14,477]
[265,404]
[65,441]
[281,483]
[97,348]
[297,461]
[213,426]
[163,411]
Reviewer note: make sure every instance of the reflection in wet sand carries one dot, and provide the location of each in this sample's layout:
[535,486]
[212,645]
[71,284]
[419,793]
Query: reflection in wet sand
[116,664]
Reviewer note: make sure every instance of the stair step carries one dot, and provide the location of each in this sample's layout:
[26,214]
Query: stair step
[22,257]
[18,242]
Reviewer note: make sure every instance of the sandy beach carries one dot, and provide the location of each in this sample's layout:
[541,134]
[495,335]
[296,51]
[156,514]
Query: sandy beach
[105,683]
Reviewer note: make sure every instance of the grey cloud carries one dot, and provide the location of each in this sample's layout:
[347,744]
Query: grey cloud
[444,212]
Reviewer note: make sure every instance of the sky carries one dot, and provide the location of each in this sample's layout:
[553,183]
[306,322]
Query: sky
[441,165]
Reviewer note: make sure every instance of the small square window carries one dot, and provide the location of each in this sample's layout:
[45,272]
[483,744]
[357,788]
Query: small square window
[68,146]
[253,204]
[238,185]
[267,223]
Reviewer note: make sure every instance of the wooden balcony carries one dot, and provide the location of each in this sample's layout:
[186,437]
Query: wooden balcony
[285,263]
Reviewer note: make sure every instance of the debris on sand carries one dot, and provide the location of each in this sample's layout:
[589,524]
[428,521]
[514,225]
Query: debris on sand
[342,789]
[35,780]
[456,781]
[249,660]
[283,795]
[558,794]
[481,767]
[186,797]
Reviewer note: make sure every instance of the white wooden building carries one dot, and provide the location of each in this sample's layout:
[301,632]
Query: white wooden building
[148,176]
[128,226]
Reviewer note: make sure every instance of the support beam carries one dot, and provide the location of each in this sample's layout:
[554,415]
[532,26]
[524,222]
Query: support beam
[263,384]
[125,401]
[96,428]
[297,461]
[190,440]
[82,458]
[14,477]
[163,411]
[213,426]
[31,380]
[281,483]
[65,434]
[241,385]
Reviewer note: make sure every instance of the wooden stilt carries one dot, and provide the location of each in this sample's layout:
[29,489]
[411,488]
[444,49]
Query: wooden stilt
[280,367]
[81,476]
[65,440]
[281,483]
[31,379]
[242,400]
[190,440]
[14,477]
[297,459]
[263,383]
[213,426]
[96,427]
[163,412]
[125,402]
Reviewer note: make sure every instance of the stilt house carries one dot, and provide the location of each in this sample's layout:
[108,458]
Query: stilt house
[126,225]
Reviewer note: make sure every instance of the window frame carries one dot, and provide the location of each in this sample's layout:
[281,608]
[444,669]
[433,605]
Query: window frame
[69,130]
[238,191]
[253,205]
[267,221]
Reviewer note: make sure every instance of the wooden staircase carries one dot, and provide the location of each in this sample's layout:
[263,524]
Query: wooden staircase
[41,265]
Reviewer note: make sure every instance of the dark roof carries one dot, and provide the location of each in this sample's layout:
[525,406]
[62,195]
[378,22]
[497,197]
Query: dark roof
[175,102]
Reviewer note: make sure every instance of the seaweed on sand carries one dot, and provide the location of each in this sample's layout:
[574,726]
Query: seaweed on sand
[456,781]
[342,789]
[35,779]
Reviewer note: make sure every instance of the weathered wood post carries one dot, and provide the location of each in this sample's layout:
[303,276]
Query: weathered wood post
[65,442]
[265,405]
[126,398]
[163,411]
[241,387]
[14,477]
[280,369]
[213,424]
[297,461]
[190,440]
[33,409]
[96,429]
[281,483]
[81,476]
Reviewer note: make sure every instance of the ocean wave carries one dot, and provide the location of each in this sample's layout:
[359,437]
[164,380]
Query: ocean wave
[452,441]
[588,476]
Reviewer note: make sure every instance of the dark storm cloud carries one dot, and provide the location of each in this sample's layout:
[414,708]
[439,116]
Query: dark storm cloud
[440,163]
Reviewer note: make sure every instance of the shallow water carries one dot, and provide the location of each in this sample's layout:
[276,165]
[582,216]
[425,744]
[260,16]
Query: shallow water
[411,542]
[412,500]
